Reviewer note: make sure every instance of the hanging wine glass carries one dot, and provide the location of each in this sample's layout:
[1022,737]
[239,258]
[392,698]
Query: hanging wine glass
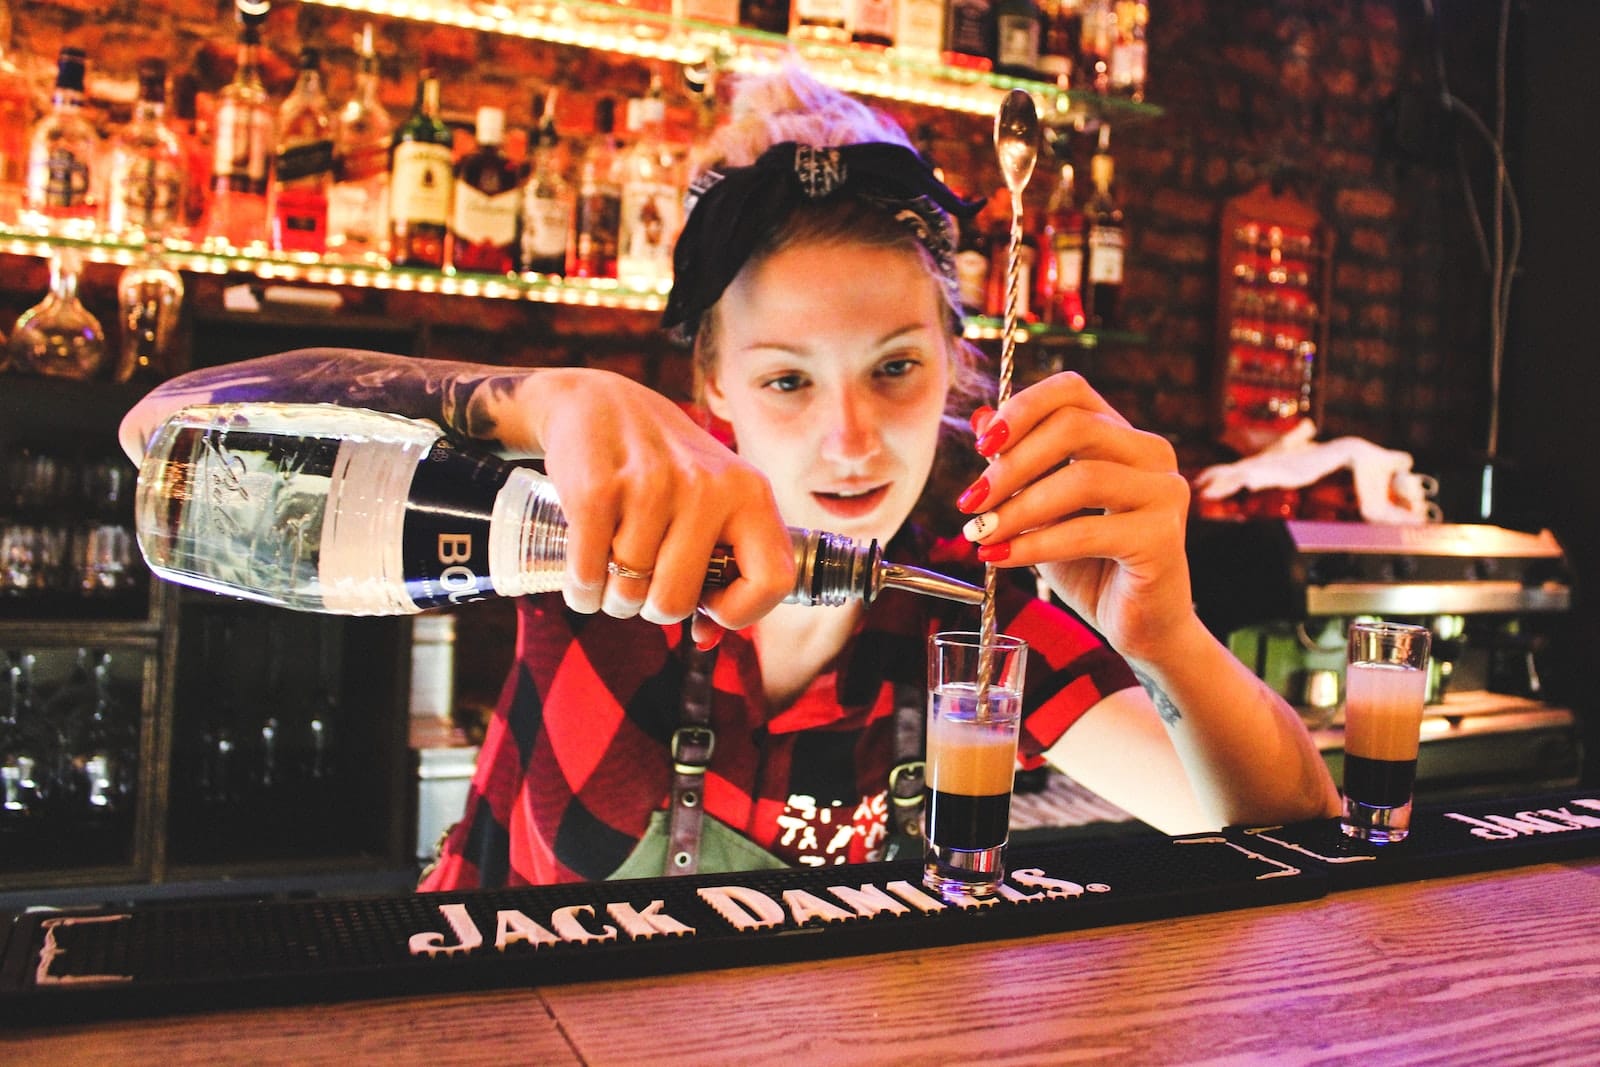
[58,336]
[149,298]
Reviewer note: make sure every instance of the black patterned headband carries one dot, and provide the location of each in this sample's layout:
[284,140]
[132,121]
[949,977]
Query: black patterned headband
[730,213]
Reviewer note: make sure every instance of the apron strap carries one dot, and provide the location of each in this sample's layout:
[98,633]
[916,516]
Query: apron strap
[906,797]
[692,744]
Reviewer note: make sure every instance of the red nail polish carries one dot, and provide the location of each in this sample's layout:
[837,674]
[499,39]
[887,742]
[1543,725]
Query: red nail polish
[995,553]
[707,644]
[981,417]
[973,497]
[993,438]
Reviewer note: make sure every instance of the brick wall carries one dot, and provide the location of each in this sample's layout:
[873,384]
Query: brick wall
[1293,90]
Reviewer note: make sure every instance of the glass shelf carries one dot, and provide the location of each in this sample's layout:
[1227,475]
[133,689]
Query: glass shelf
[860,69]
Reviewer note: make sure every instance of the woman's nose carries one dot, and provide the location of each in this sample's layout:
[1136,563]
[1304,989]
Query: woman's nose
[852,432]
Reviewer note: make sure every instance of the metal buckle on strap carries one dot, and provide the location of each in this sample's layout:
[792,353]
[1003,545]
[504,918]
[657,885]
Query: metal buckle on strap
[905,782]
[691,749]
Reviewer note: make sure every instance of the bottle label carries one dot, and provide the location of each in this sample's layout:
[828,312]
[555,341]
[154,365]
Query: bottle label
[358,211]
[648,227]
[972,278]
[874,20]
[314,159]
[420,184]
[484,218]
[241,153]
[1128,65]
[829,14]
[1068,252]
[546,221]
[66,179]
[1105,255]
[151,195]
[919,27]
[360,162]
[1017,42]
[969,28]
[445,538]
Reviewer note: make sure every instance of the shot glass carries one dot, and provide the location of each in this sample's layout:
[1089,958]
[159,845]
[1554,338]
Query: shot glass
[971,761]
[1386,681]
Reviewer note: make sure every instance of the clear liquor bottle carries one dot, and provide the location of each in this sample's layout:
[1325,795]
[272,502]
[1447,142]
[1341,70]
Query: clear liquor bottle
[483,216]
[651,200]
[319,508]
[242,144]
[420,182]
[1105,242]
[547,199]
[302,163]
[598,211]
[63,152]
[358,206]
[149,171]
[16,119]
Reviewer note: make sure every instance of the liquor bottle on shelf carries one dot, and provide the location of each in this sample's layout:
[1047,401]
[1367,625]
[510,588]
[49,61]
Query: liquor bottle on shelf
[1060,22]
[194,140]
[872,22]
[64,150]
[397,481]
[1016,38]
[972,263]
[997,287]
[108,751]
[769,16]
[547,198]
[16,119]
[149,172]
[824,21]
[1097,35]
[483,216]
[1060,287]
[598,211]
[1129,53]
[58,337]
[651,211]
[1105,242]
[919,29]
[242,144]
[420,182]
[302,163]
[358,205]
[969,34]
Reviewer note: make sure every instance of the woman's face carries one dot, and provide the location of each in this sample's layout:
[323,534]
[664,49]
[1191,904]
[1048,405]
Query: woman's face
[832,366]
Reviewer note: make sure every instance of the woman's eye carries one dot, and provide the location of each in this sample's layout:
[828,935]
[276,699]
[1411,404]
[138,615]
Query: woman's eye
[785,383]
[898,367]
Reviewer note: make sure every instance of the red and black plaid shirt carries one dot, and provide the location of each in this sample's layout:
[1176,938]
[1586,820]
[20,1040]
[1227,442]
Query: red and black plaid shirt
[576,758]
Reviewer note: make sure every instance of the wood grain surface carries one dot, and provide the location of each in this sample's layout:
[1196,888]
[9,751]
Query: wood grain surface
[1495,968]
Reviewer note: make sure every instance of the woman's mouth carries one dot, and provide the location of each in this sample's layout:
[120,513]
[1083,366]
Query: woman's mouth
[851,503]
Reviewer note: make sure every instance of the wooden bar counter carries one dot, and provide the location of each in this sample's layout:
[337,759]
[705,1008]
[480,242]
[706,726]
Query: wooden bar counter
[1499,967]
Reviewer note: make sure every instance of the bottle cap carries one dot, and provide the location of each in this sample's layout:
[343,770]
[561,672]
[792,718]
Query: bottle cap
[491,125]
[69,68]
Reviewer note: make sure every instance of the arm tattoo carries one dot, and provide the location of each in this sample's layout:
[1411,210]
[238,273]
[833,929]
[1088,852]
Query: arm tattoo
[1164,706]
[459,397]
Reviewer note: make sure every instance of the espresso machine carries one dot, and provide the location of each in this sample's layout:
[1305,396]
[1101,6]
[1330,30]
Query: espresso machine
[1282,592]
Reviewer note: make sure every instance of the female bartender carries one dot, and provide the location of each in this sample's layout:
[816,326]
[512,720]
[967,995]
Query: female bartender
[815,278]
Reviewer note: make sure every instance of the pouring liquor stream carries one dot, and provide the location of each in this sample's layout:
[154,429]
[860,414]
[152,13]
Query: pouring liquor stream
[1016,144]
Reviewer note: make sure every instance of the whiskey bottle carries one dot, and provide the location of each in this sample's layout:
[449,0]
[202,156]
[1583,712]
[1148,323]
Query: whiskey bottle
[149,170]
[1105,242]
[243,143]
[63,152]
[547,199]
[597,214]
[969,34]
[420,183]
[872,22]
[302,164]
[1060,22]
[1016,40]
[483,217]
[315,507]
[358,205]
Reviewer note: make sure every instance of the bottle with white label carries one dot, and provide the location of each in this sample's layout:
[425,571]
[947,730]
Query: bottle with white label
[1106,240]
[488,196]
[316,507]
[547,198]
[652,199]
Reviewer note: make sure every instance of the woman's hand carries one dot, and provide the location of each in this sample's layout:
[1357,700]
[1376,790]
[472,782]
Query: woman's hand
[651,494]
[1096,505]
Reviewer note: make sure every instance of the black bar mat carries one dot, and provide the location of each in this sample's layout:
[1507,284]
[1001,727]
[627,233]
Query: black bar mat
[190,956]
[1456,838]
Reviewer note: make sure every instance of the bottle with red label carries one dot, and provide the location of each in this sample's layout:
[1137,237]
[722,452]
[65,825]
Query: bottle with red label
[1060,274]
[302,163]
[598,213]
[488,195]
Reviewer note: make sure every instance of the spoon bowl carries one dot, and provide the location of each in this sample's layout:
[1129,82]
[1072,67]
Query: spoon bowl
[1016,139]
